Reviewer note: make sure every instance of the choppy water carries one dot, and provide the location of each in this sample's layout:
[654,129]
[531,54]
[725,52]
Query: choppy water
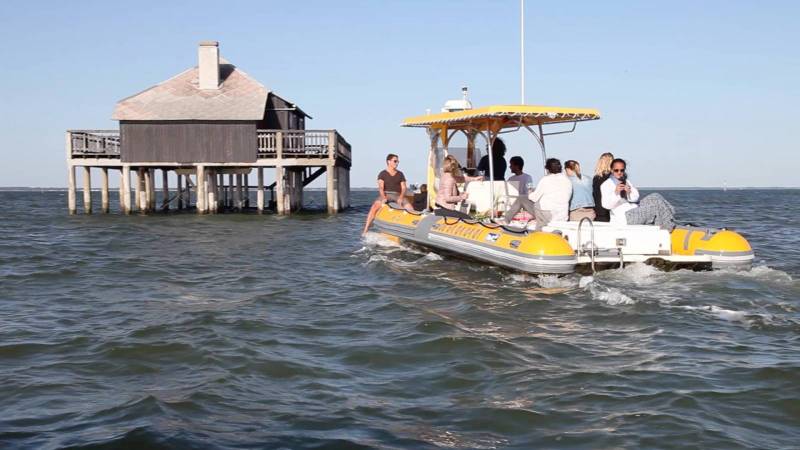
[248,331]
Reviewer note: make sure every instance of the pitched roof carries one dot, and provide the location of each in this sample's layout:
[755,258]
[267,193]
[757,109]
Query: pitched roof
[239,97]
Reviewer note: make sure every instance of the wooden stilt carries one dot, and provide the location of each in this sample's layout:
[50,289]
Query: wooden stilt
[165,189]
[125,190]
[220,192]
[148,192]
[231,188]
[201,189]
[72,206]
[246,194]
[237,193]
[104,190]
[280,185]
[151,189]
[87,190]
[212,191]
[260,193]
[330,188]
[141,199]
[180,192]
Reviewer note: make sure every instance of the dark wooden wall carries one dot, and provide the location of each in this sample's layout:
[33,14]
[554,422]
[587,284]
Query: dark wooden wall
[278,117]
[188,142]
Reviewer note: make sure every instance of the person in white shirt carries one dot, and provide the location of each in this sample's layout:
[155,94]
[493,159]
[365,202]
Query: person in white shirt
[525,187]
[620,197]
[552,195]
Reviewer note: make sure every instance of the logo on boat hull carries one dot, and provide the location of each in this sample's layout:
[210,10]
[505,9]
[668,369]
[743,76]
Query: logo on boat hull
[492,237]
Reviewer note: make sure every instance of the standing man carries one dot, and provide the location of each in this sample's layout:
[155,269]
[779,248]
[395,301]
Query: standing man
[391,188]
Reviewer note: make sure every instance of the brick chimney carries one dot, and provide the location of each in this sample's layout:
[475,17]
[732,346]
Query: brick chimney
[208,64]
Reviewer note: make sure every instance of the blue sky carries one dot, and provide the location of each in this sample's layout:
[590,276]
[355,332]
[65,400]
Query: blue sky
[691,93]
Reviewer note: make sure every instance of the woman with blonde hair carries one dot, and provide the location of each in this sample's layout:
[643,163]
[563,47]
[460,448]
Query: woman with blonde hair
[601,172]
[448,196]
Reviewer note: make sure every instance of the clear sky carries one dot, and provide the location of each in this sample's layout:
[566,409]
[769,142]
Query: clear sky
[691,93]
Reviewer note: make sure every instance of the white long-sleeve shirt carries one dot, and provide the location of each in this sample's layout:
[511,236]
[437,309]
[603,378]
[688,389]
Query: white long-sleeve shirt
[616,204]
[553,193]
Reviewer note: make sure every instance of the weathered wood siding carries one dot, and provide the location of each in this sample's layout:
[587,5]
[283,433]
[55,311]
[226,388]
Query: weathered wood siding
[188,142]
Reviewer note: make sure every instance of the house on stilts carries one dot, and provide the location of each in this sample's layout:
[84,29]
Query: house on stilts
[213,126]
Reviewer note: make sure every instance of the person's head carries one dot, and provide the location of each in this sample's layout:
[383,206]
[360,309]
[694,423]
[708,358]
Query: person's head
[516,163]
[552,165]
[392,161]
[498,148]
[573,168]
[618,167]
[423,188]
[451,165]
[603,166]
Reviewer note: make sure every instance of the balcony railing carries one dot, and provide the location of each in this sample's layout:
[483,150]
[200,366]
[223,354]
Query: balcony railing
[270,144]
[94,143]
[302,144]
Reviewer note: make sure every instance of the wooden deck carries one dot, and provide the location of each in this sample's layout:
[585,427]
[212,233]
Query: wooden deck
[309,146]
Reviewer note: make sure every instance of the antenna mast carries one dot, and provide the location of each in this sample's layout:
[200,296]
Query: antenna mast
[522,50]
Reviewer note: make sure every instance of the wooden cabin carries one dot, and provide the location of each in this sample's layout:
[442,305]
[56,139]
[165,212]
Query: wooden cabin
[213,125]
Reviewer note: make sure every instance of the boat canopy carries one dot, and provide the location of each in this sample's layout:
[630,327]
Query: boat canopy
[502,116]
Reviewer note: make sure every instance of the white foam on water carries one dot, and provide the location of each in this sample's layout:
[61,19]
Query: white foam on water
[372,239]
[430,256]
[729,315]
[585,281]
[639,273]
[610,296]
[554,281]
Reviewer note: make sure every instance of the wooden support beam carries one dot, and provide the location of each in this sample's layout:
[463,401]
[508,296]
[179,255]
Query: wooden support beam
[309,179]
[151,189]
[165,189]
[180,191]
[280,201]
[201,189]
[220,192]
[104,190]
[125,189]
[237,193]
[231,188]
[72,206]
[246,194]
[148,192]
[87,190]
[260,193]
[212,191]
[141,199]
[330,190]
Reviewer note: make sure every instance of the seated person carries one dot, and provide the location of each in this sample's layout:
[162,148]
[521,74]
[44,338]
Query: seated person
[620,197]
[525,187]
[552,195]
[391,188]
[581,205]
[447,197]
[420,201]
[498,161]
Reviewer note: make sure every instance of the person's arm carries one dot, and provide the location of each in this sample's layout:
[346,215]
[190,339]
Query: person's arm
[633,194]
[609,197]
[381,194]
[402,200]
[539,191]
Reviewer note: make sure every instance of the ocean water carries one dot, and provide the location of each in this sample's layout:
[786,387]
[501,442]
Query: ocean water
[259,331]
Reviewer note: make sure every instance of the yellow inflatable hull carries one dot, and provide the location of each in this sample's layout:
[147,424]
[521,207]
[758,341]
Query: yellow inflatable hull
[533,252]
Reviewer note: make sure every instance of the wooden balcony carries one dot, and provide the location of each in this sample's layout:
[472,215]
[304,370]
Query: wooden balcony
[271,144]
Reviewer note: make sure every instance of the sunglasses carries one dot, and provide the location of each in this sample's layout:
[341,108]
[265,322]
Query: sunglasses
[618,170]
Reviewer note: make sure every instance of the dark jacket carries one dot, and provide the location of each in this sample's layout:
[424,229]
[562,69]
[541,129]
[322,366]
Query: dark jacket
[499,164]
[601,214]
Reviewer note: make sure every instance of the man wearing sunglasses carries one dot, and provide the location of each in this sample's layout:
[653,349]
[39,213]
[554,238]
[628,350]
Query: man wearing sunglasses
[622,199]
